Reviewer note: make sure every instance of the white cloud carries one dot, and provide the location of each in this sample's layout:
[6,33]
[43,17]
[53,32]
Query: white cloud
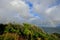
[45,9]
[18,10]
[22,8]
[50,10]
[55,13]
[34,18]
[40,5]
[10,8]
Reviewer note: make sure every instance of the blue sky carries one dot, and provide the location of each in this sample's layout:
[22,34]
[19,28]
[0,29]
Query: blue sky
[39,12]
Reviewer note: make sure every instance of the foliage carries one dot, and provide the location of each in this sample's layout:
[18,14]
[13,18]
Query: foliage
[56,34]
[26,31]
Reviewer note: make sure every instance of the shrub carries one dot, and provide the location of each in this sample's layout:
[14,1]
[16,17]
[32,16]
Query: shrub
[10,36]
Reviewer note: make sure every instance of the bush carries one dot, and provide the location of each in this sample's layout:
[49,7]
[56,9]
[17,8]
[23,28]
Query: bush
[28,31]
[10,36]
[1,37]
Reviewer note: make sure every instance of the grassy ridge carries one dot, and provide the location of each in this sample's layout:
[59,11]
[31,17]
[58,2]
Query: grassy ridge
[24,32]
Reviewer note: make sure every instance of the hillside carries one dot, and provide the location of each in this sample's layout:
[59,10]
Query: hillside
[24,32]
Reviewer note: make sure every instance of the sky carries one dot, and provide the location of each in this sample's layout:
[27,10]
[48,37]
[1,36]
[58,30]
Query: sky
[40,12]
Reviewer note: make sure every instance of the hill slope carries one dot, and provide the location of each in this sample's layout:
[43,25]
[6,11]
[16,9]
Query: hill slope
[24,32]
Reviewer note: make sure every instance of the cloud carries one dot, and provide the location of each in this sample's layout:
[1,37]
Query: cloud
[10,9]
[50,10]
[40,5]
[54,12]
[19,11]
[22,8]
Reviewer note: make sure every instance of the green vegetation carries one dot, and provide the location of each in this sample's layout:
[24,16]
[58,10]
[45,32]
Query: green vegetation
[25,32]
